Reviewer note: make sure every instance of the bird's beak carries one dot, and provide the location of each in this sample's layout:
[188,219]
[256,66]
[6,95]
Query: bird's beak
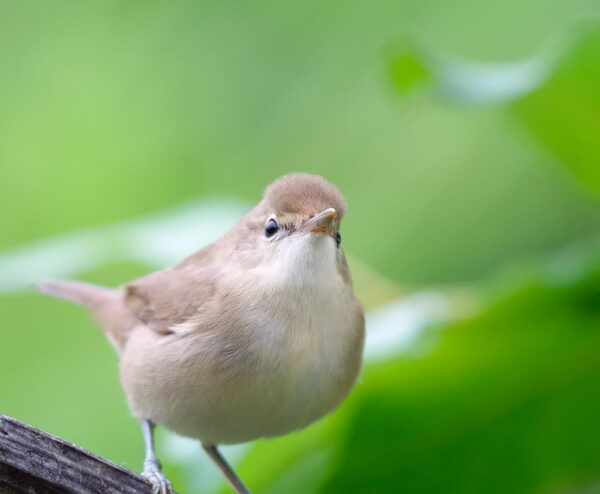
[320,222]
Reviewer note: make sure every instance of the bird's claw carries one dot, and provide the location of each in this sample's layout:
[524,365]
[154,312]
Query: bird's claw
[160,483]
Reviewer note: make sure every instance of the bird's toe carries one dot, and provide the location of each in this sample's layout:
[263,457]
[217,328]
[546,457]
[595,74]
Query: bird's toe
[157,479]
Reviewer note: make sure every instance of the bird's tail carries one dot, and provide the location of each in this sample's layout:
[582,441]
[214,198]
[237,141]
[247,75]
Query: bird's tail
[86,294]
[106,304]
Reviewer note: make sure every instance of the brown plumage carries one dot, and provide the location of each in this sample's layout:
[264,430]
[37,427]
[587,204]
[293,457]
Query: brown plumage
[255,335]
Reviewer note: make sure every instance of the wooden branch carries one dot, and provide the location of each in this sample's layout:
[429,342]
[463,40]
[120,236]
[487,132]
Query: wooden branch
[33,461]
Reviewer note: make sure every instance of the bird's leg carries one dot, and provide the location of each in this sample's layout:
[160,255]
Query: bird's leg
[230,475]
[152,467]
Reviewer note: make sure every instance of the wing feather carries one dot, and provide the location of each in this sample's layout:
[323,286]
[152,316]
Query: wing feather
[168,298]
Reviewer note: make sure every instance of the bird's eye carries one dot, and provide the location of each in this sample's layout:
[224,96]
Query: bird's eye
[338,239]
[271,228]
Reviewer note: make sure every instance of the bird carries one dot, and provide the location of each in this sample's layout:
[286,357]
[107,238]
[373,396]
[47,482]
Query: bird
[256,335]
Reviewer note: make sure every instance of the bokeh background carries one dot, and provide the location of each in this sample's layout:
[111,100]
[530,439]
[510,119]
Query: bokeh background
[465,137]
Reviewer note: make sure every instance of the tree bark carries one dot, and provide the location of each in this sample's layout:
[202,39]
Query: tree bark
[35,462]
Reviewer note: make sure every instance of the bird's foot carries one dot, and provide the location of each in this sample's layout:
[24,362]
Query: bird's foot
[153,474]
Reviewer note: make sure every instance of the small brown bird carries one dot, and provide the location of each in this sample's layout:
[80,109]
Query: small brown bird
[256,335]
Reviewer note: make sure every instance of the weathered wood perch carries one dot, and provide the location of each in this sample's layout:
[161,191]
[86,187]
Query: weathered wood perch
[35,462]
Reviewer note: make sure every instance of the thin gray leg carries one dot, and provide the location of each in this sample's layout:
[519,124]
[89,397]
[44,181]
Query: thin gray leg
[230,475]
[152,467]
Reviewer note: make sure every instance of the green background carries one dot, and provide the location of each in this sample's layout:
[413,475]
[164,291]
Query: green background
[114,111]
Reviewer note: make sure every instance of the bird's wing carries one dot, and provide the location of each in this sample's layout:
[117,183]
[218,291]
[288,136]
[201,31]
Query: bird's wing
[165,299]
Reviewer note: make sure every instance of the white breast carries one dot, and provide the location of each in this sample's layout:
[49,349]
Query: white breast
[309,330]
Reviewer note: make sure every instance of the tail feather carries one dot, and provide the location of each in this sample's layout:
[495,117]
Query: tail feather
[106,305]
[91,296]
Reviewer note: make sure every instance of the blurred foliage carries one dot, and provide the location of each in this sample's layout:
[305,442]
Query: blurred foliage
[571,129]
[509,403]
[114,110]
[407,70]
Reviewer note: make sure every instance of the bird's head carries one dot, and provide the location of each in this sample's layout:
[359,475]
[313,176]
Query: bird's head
[300,205]
[296,226]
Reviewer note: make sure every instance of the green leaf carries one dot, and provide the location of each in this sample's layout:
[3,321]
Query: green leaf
[564,114]
[508,403]
[407,70]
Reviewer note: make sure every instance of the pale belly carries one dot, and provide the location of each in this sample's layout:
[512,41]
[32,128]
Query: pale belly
[223,392]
